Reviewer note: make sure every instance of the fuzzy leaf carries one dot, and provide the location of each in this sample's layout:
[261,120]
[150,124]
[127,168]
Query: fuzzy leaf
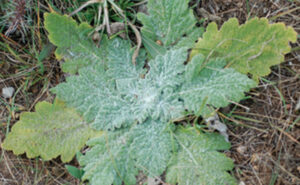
[93,94]
[249,48]
[212,85]
[51,131]
[155,96]
[119,56]
[109,105]
[152,47]
[73,42]
[108,161]
[198,161]
[152,147]
[189,40]
[165,70]
[168,21]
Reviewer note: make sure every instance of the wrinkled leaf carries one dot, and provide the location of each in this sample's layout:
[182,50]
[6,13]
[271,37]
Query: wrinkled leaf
[168,21]
[119,61]
[108,161]
[152,147]
[198,161]
[73,42]
[51,131]
[252,47]
[208,85]
[110,104]
[93,94]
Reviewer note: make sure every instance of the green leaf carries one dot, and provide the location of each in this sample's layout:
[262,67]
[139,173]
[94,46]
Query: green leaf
[73,42]
[108,161]
[110,104]
[119,61]
[165,70]
[75,172]
[168,21]
[208,85]
[93,94]
[152,147]
[249,48]
[152,47]
[189,40]
[198,161]
[51,131]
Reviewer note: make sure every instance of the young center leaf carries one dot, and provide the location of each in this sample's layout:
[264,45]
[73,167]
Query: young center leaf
[171,22]
[249,48]
[73,42]
[50,131]
[198,161]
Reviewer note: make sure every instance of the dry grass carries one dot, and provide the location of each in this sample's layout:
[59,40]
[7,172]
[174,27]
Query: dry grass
[265,137]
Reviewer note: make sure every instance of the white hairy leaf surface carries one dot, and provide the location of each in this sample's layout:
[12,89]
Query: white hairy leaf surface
[108,161]
[119,61]
[198,161]
[109,101]
[168,21]
[152,147]
[209,85]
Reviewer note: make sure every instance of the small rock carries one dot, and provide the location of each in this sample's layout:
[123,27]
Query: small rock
[242,183]
[298,105]
[215,123]
[7,92]
[152,181]
[241,149]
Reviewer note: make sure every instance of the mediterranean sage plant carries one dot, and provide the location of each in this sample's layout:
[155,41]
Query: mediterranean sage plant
[131,115]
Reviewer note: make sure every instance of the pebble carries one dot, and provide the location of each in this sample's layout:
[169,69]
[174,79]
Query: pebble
[7,92]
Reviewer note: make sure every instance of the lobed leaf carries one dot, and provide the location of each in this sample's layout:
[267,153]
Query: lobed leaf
[249,48]
[93,94]
[117,156]
[165,70]
[108,161]
[152,147]
[208,85]
[198,161]
[168,21]
[119,61]
[51,131]
[73,42]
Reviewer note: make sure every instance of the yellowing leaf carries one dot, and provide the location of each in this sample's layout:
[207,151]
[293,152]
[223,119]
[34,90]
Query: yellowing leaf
[249,48]
[51,131]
